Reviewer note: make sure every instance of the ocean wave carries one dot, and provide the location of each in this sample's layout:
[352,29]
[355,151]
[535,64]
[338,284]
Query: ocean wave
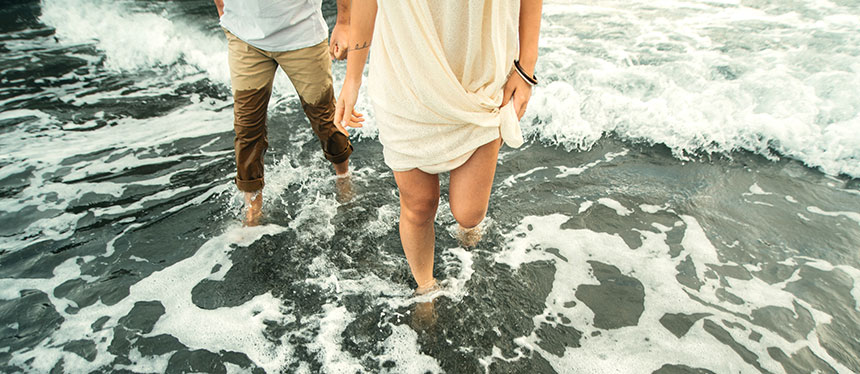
[698,77]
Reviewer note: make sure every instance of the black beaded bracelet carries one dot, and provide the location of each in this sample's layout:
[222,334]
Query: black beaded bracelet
[531,80]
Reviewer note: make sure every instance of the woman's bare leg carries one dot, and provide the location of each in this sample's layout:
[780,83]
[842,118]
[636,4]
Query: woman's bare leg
[419,198]
[470,187]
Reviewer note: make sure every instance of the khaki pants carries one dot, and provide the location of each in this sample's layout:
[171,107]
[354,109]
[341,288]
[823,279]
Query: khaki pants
[252,72]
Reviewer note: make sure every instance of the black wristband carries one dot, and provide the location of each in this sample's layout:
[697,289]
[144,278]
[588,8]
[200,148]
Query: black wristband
[531,80]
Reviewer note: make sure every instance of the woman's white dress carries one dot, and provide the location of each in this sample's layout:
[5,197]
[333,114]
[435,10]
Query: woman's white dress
[437,70]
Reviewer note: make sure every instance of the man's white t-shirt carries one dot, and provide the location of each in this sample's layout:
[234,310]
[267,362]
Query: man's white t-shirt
[276,25]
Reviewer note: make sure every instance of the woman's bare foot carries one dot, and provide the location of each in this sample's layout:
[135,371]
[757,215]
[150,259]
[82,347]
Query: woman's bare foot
[253,208]
[424,314]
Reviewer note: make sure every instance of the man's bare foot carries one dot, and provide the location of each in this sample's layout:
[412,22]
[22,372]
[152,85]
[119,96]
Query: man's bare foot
[343,183]
[469,237]
[253,208]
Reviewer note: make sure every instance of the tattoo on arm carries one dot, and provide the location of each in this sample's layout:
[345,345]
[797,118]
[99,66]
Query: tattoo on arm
[357,47]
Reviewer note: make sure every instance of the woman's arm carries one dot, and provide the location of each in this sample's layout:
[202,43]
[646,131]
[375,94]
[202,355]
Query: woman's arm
[362,18]
[529,32]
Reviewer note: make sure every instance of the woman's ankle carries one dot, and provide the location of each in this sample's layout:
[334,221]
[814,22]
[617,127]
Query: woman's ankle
[427,287]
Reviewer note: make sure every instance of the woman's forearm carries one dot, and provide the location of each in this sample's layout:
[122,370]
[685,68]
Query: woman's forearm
[362,19]
[530,11]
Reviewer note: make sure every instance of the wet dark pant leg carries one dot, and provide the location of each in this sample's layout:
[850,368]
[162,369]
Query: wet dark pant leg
[309,69]
[251,74]
[335,145]
[251,140]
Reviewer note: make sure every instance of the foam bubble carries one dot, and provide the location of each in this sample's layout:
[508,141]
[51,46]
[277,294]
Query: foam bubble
[568,171]
[147,364]
[648,208]
[755,189]
[401,347]
[386,220]
[646,344]
[328,342]
[614,205]
[854,216]
[509,181]
[585,205]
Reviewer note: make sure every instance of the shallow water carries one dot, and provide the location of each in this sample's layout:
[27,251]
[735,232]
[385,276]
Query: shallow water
[687,202]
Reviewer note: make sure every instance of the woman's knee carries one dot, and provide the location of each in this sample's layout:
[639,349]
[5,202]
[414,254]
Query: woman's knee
[469,217]
[419,211]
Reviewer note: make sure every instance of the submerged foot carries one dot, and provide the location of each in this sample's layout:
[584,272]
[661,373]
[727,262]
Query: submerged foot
[345,191]
[469,237]
[253,208]
[424,314]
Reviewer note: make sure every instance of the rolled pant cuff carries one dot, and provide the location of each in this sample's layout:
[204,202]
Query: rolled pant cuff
[340,157]
[249,185]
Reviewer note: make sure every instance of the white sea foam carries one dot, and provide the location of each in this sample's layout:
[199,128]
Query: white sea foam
[854,216]
[454,285]
[386,221]
[674,81]
[117,144]
[648,208]
[755,189]
[584,206]
[136,40]
[568,171]
[509,181]
[328,342]
[148,364]
[646,345]
[614,205]
[239,329]
[400,348]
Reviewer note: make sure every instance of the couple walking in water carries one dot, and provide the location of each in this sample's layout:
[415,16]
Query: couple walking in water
[449,81]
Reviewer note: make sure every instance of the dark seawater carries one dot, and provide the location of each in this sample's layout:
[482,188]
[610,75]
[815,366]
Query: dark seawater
[687,202]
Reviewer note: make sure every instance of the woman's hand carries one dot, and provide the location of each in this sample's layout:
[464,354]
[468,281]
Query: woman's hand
[520,91]
[346,104]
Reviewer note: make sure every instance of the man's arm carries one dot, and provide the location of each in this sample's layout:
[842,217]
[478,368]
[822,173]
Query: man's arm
[339,40]
[219,4]
[362,21]
[343,11]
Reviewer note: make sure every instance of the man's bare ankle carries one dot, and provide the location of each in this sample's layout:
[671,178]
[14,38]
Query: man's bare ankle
[253,207]
[342,168]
